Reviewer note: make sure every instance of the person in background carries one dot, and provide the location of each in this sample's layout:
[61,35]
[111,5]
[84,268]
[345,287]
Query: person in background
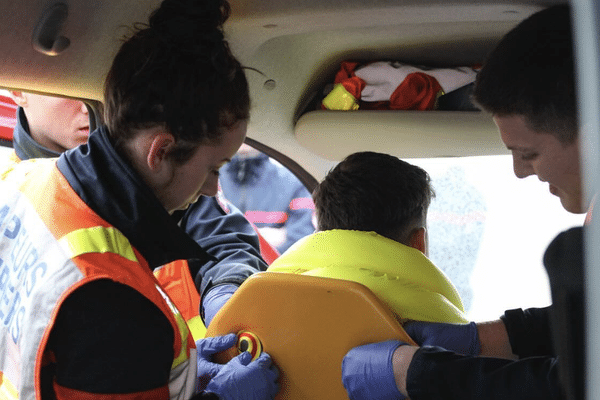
[83,315]
[372,230]
[47,126]
[270,197]
[527,84]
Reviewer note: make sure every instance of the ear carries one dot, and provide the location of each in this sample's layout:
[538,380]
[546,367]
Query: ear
[160,145]
[19,97]
[418,240]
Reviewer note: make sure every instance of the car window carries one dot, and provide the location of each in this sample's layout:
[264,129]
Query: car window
[270,196]
[488,231]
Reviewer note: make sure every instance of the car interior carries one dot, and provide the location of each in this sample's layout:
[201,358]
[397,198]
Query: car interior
[295,51]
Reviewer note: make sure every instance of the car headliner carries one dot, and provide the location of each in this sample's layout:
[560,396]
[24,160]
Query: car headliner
[297,46]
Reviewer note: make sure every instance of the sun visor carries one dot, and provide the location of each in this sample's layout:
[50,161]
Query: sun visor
[406,134]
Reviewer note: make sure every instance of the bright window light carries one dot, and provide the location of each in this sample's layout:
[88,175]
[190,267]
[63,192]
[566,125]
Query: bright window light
[488,232]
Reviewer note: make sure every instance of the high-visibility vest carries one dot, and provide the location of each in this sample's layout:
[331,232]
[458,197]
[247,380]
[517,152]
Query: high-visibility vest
[52,243]
[175,278]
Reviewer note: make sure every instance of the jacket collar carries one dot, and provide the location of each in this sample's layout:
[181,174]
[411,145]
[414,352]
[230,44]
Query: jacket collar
[246,169]
[24,145]
[110,187]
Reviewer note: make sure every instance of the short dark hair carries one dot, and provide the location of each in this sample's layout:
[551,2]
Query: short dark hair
[531,73]
[177,72]
[377,192]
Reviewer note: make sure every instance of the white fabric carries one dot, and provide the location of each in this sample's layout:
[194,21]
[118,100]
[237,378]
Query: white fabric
[383,77]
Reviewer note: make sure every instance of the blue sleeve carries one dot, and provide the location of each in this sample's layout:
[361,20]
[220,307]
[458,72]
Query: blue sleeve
[300,217]
[228,237]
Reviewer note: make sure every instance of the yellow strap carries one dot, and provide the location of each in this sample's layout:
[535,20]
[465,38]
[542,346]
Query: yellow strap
[184,330]
[98,239]
[8,391]
[197,327]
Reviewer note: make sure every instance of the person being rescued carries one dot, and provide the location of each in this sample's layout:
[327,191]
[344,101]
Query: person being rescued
[371,228]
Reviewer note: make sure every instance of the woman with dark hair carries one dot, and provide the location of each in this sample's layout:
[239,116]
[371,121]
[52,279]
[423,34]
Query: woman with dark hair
[83,315]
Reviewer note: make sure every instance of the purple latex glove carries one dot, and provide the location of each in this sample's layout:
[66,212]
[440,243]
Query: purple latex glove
[206,369]
[459,338]
[367,372]
[243,379]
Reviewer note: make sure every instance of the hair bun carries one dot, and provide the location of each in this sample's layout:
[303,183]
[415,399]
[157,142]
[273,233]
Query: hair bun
[190,25]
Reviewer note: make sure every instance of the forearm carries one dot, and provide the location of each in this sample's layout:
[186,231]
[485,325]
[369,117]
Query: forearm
[494,341]
[401,361]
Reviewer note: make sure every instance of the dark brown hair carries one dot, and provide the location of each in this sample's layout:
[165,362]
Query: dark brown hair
[530,73]
[177,72]
[377,192]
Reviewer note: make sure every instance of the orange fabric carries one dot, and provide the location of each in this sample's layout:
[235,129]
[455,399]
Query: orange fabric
[346,71]
[56,202]
[418,91]
[63,393]
[345,76]
[177,282]
[268,252]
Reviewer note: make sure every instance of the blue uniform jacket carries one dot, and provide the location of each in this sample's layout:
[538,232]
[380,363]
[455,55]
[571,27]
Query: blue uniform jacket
[269,196]
[221,229]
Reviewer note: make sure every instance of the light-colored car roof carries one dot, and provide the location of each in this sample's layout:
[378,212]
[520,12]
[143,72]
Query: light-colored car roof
[296,46]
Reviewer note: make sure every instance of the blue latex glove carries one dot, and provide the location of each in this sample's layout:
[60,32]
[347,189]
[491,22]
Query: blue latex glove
[459,338]
[206,369]
[368,373]
[214,299]
[241,379]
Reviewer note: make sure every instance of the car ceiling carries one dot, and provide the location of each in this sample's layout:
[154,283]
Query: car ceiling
[297,46]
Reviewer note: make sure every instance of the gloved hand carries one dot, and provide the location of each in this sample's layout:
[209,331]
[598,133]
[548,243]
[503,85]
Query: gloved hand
[241,379]
[214,299]
[459,338]
[206,369]
[367,372]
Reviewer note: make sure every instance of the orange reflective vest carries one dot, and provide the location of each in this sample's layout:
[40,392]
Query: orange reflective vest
[52,243]
[176,280]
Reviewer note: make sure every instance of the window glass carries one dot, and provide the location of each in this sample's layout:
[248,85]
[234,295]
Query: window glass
[488,231]
[270,196]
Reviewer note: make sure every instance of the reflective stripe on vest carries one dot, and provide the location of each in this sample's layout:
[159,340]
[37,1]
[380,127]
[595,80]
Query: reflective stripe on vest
[98,239]
[175,279]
